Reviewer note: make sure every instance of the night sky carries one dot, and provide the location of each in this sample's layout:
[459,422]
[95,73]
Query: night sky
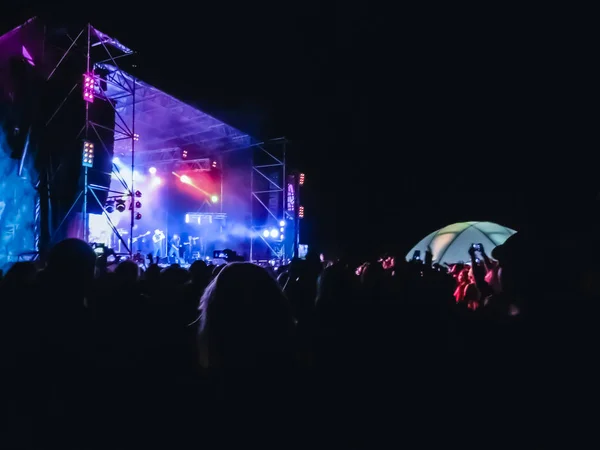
[403,121]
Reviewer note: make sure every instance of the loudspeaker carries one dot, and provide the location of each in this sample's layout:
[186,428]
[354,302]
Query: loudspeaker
[101,112]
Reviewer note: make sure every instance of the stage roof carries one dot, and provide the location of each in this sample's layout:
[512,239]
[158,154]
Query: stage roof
[165,125]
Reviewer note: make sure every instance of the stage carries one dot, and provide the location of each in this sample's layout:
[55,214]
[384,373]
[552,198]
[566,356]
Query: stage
[148,172]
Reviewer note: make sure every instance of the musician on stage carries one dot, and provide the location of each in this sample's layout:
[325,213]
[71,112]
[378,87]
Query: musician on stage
[174,248]
[157,239]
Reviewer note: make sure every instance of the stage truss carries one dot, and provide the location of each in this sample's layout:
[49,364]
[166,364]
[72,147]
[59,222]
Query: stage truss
[136,138]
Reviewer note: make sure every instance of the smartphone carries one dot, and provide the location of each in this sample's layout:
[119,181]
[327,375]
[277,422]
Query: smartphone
[99,250]
[417,255]
[477,247]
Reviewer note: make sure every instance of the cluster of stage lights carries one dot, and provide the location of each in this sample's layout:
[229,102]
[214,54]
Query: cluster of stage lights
[275,233]
[87,156]
[88,87]
[120,204]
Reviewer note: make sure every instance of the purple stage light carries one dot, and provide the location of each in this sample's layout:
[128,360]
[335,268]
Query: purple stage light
[27,56]
[88,87]
[152,170]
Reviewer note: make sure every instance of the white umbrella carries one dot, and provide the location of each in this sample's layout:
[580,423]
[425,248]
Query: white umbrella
[451,244]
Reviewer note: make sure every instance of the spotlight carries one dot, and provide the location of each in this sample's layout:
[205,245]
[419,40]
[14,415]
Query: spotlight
[282,223]
[184,154]
[214,164]
[136,137]
[87,158]
[281,229]
[214,198]
[301,179]
[301,212]
[116,160]
[185,179]
[110,206]
[120,205]
[274,233]
[266,233]
[281,237]
[152,170]
[138,204]
[88,87]
[138,194]
[138,216]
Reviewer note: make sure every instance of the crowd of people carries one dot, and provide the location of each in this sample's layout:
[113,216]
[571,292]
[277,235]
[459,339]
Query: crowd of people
[80,337]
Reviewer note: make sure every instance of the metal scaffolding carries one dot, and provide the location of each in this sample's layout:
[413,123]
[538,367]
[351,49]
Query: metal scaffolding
[124,131]
[143,143]
[269,197]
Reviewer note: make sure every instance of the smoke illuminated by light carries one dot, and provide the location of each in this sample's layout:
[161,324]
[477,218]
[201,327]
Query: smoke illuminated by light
[17,205]
[156,181]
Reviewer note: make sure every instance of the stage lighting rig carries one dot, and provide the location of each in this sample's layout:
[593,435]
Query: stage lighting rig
[120,205]
[301,179]
[88,87]
[110,206]
[138,194]
[301,212]
[87,157]
[138,216]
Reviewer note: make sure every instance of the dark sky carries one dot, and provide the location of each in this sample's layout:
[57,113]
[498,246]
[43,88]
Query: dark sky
[403,120]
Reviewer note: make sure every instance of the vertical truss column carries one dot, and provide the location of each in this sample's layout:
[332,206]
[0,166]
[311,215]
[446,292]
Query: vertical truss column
[115,83]
[268,197]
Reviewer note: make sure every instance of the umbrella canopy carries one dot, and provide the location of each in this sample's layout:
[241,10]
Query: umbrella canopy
[451,244]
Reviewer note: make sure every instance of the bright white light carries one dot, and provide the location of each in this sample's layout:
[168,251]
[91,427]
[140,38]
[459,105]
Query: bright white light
[185,179]
[274,233]
[156,181]
[281,237]
[282,223]
[136,175]
[116,160]
[281,229]
[187,218]
[266,233]
[152,170]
